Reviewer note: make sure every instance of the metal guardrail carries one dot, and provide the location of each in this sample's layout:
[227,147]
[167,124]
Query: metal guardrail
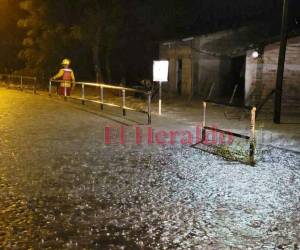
[20,79]
[251,139]
[230,105]
[101,101]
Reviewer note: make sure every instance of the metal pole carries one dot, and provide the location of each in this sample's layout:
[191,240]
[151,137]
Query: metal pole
[204,122]
[233,94]
[82,94]
[50,89]
[160,97]
[252,136]
[211,91]
[34,85]
[124,102]
[149,108]
[21,83]
[102,98]
[9,81]
[281,62]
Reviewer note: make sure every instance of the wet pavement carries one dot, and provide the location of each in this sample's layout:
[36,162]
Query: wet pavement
[61,187]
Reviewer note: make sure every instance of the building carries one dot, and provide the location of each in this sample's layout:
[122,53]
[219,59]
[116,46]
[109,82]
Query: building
[217,62]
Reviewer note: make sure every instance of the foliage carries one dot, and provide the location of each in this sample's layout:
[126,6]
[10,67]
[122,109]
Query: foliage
[50,36]
[10,35]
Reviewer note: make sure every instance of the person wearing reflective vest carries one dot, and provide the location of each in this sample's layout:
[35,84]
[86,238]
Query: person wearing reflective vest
[67,78]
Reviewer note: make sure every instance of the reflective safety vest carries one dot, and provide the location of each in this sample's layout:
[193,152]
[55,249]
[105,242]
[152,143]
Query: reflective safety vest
[67,77]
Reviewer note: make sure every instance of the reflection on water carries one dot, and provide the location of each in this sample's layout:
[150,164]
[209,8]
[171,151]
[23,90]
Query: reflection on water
[62,188]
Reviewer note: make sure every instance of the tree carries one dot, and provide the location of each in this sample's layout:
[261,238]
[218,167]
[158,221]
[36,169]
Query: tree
[51,35]
[85,31]
[99,25]
[11,36]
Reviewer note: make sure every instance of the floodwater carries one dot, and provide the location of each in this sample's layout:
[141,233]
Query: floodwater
[61,187]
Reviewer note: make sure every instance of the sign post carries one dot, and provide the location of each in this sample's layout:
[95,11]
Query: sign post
[160,74]
[160,97]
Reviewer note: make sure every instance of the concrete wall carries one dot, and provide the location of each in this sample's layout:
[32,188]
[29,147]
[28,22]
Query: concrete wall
[187,77]
[173,53]
[200,70]
[261,73]
[207,70]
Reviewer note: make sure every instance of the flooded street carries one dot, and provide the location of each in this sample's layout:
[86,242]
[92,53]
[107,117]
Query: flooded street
[61,187]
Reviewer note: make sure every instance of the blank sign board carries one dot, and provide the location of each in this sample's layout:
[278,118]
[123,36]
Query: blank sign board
[160,71]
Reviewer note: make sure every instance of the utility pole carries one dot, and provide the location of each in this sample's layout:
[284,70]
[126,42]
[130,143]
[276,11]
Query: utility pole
[281,62]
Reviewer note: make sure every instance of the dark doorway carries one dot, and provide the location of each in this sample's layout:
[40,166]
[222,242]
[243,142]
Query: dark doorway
[179,76]
[238,79]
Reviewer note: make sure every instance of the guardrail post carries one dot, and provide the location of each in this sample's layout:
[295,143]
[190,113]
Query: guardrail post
[50,88]
[124,101]
[82,94]
[252,137]
[149,108]
[101,98]
[9,81]
[34,86]
[204,122]
[21,82]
